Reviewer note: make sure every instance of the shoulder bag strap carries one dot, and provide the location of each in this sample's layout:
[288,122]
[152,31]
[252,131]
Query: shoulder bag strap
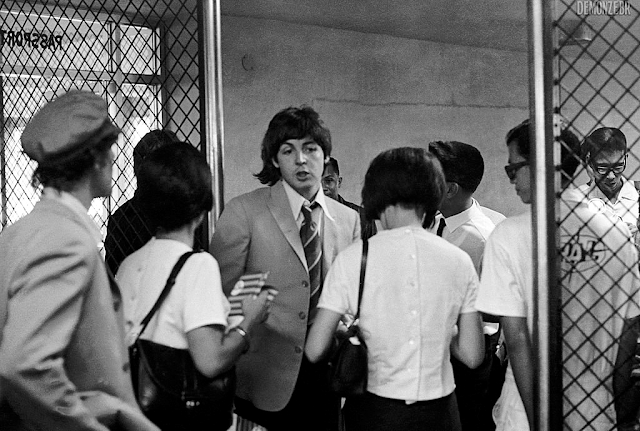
[363,269]
[165,291]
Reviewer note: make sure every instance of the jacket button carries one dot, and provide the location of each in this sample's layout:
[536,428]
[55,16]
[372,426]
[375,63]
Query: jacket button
[305,284]
[302,315]
[298,349]
[126,367]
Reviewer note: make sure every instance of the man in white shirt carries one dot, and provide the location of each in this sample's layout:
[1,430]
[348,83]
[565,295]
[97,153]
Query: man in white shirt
[464,224]
[599,301]
[605,154]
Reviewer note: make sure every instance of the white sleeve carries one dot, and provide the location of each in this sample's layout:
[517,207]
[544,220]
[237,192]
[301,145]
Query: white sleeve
[204,302]
[500,292]
[341,284]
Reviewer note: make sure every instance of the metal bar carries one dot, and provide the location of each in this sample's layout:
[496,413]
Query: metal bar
[4,219]
[211,126]
[544,242]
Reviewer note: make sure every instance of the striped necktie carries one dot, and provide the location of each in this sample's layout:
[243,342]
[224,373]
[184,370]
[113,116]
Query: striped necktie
[312,243]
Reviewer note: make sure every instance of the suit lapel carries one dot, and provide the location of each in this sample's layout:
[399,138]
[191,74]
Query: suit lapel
[281,211]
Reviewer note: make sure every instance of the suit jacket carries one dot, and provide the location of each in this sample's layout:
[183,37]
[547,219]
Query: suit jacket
[61,326]
[367,228]
[257,232]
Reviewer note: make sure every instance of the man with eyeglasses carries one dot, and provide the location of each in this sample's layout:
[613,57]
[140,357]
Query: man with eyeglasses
[605,154]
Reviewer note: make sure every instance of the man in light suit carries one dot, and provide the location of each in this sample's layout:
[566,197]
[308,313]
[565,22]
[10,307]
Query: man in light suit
[261,231]
[63,363]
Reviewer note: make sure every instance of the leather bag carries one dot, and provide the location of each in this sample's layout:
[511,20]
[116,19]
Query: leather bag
[171,392]
[348,369]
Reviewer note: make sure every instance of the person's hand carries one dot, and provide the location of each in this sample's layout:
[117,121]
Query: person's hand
[256,308]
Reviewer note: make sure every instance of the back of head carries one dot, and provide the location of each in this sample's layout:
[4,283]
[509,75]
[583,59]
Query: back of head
[462,163]
[410,177]
[175,185]
[569,154]
[151,142]
[603,140]
[66,135]
[290,123]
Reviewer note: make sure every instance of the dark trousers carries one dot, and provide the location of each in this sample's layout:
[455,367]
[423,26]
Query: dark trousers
[312,407]
[472,388]
[370,412]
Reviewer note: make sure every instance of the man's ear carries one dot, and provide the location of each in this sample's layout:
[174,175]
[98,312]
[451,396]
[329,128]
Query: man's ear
[339,181]
[275,163]
[452,190]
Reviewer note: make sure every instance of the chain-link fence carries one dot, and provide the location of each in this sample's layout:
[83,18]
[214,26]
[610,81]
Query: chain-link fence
[142,57]
[597,94]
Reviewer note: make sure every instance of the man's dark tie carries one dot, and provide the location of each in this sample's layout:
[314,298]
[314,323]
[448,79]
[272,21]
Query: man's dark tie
[312,243]
[441,226]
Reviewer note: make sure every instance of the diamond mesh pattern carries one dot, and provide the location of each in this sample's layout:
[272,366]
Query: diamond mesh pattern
[141,56]
[597,83]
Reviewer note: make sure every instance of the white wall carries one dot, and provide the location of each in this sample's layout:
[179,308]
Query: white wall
[373,92]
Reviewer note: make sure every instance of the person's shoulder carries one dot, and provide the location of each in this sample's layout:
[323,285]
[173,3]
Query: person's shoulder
[340,208]
[513,226]
[351,205]
[255,198]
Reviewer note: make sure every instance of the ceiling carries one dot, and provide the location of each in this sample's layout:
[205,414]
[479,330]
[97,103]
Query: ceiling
[485,23]
[500,24]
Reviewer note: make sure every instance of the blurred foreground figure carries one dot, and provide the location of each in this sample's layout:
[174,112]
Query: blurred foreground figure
[129,227]
[63,363]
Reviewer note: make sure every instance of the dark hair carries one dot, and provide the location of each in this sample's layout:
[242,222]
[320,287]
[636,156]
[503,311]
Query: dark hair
[569,154]
[175,185]
[61,172]
[569,147]
[603,140]
[411,177]
[290,123]
[520,135]
[334,164]
[151,142]
[462,163]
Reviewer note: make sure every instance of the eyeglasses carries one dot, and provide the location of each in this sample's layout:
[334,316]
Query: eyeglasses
[617,169]
[512,169]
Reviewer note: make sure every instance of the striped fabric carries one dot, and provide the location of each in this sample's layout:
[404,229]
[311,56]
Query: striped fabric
[246,425]
[312,243]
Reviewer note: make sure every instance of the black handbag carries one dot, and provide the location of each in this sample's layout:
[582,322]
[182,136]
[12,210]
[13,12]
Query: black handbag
[348,368]
[171,392]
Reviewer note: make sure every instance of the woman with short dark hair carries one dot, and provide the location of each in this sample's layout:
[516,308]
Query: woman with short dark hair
[417,304]
[175,191]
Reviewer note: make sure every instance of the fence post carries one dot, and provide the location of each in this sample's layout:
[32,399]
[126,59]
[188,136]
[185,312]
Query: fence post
[548,409]
[211,125]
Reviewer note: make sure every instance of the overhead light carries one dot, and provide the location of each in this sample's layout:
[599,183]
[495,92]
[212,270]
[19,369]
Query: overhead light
[576,32]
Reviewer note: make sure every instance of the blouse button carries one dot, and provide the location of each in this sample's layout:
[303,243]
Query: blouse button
[298,349]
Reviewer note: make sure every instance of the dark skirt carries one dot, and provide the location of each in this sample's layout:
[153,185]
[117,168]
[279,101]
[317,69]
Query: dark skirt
[370,412]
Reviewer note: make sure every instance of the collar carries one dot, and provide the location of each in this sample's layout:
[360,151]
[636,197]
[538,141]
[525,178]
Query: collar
[627,191]
[296,200]
[71,202]
[457,220]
